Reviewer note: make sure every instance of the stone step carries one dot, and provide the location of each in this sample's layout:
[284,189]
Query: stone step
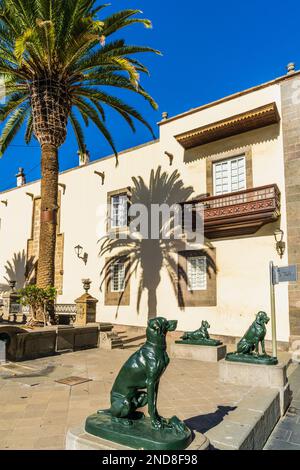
[117,344]
[131,339]
[249,426]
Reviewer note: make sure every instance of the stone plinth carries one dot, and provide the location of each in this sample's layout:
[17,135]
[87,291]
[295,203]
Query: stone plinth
[258,375]
[85,310]
[78,439]
[198,352]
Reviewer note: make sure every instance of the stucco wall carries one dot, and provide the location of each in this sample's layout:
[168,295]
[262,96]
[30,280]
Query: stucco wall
[242,263]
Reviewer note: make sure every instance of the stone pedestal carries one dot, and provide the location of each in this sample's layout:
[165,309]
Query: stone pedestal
[257,375]
[85,310]
[12,309]
[197,352]
[78,439]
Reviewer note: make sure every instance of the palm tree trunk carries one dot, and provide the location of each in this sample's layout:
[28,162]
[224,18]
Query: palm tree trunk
[49,194]
[152,303]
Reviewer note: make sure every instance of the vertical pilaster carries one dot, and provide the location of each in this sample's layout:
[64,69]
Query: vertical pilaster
[290,92]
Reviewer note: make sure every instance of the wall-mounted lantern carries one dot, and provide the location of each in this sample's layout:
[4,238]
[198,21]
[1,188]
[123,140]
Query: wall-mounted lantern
[170,157]
[101,174]
[78,250]
[280,244]
[63,186]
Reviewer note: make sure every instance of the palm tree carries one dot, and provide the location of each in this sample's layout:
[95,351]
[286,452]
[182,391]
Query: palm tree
[56,63]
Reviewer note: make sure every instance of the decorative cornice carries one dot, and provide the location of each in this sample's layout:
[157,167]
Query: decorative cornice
[244,122]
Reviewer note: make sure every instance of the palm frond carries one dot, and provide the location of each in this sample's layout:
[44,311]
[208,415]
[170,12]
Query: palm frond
[68,42]
[79,134]
[12,127]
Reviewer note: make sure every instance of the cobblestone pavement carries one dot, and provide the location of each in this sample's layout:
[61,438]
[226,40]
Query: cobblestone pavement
[36,411]
[286,435]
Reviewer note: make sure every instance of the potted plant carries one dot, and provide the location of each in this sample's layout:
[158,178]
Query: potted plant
[38,300]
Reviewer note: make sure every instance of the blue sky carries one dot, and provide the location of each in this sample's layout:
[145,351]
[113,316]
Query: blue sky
[210,49]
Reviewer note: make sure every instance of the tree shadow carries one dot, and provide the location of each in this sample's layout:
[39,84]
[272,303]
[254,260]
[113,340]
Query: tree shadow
[146,256]
[39,373]
[18,269]
[203,423]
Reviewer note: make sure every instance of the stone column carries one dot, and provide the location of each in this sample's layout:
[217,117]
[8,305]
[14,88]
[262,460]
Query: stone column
[85,306]
[290,96]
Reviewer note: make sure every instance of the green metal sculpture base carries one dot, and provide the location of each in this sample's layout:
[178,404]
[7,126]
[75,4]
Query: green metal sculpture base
[200,342]
[138,433]
[263,359]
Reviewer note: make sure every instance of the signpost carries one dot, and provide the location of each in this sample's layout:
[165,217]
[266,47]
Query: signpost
[278,275]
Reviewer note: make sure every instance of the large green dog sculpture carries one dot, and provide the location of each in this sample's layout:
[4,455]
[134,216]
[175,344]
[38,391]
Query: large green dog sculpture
[137,382]
[248,346]
[136,386]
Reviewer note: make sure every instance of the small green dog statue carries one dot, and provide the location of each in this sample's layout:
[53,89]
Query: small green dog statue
[200,336]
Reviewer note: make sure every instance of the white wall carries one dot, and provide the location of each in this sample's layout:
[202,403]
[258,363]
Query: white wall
[243,276]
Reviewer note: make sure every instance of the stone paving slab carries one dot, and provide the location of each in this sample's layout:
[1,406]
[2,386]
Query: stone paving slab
[189,389]
[286,435]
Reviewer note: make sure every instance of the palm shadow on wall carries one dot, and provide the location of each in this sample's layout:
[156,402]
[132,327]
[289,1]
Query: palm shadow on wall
[148,257]
[18,269]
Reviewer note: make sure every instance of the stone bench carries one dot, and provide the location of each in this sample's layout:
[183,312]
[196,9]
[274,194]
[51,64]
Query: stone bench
[75,338]
[22,345]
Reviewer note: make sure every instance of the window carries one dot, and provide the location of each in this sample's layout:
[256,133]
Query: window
[230,175]
[119,211]
[196,273]
[118,277]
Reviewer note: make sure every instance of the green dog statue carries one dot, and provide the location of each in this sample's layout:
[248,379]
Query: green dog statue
[136,386]
[248,346]
[200,336]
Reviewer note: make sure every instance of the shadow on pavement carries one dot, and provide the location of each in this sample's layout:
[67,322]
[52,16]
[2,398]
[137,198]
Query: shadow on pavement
[203,423]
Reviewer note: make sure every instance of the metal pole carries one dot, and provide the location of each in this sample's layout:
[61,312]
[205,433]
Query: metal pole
[273,312]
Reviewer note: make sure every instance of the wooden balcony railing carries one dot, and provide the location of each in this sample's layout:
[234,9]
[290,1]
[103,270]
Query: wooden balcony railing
[240,213]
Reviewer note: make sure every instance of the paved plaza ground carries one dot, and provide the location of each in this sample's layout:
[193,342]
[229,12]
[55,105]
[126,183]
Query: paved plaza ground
[36,411]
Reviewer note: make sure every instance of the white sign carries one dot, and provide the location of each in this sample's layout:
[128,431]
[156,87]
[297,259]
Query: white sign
[285,274]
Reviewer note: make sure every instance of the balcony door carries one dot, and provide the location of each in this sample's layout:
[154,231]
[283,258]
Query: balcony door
[229,175]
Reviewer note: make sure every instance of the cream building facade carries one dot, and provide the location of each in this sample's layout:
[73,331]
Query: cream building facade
[240,156]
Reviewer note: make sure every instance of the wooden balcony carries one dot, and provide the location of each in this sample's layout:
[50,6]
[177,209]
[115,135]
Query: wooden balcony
[240,213]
